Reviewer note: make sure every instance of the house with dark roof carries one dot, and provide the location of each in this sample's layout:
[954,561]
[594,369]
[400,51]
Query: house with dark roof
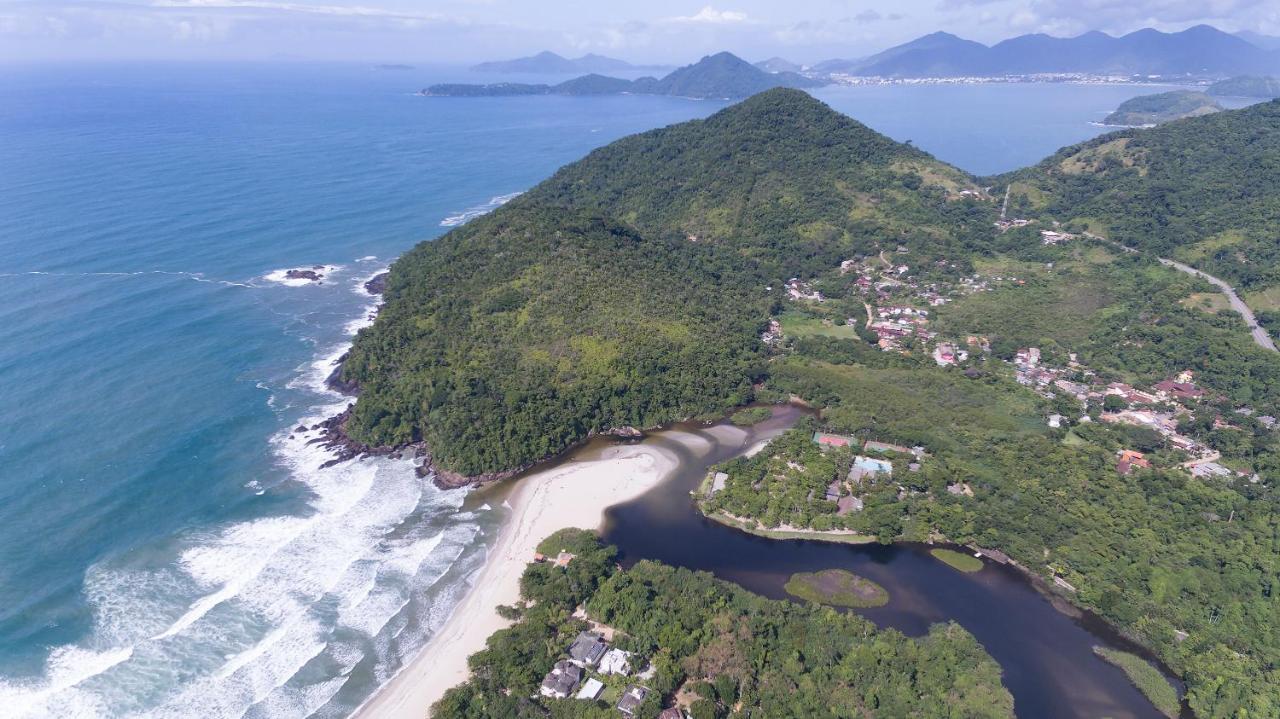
[631,699]
[671,713]
[561,680]
[587,649]
[1178,390]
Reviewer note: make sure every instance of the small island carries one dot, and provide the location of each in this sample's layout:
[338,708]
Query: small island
[837,588]
[1152,110]
[957,560]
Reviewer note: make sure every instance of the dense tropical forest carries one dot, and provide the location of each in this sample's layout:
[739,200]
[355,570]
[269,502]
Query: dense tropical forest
[630,289]
[689,270]
[719,651]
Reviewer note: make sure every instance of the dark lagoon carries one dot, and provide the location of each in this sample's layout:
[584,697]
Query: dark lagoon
[1046,652]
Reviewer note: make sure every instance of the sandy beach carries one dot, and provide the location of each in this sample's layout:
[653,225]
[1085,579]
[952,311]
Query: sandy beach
[573,494]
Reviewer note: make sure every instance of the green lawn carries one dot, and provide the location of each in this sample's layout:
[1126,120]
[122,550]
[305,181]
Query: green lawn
[958,560]
[796,324]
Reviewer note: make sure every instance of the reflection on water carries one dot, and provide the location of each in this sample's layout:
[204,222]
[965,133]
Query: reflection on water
[1046,655]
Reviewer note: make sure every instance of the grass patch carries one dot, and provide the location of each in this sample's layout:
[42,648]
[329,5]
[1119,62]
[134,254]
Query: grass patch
[1268,299]
[751,415]
[796,324]
[1146,678]
[810,534]
[1206,249]
[966,563]
[1006,266]
[837,588]
[1210,302]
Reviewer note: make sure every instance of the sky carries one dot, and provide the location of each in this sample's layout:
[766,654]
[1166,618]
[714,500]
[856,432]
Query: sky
[647,31]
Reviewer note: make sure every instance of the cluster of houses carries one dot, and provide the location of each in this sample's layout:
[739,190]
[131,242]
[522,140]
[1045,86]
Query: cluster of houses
[894,322]
[591,654]
[865,468]
[799,290]
[1158,408]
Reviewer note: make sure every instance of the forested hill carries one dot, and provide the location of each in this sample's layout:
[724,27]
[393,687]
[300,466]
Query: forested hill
[1205,190]
[632,287]
[783,179]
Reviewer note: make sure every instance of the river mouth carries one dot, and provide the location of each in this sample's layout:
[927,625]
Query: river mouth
[1046,653]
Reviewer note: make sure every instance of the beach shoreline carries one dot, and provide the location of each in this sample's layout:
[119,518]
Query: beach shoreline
[574,493]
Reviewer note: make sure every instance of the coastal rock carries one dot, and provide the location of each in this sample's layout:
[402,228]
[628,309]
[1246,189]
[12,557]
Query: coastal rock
[627,432]
[312,275]
[336,383]
[377,284]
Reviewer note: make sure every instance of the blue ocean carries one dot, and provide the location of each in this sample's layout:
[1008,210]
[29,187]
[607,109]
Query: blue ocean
[169,545]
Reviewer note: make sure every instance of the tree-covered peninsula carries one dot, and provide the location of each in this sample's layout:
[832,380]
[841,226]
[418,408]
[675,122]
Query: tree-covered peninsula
[1149,110]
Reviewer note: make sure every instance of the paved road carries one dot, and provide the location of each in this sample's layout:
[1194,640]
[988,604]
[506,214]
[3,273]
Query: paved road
[1260,335]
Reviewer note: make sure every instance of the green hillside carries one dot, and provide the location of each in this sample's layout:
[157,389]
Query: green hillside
[633,288]
[630,288]
[1161,108]
[1206,190]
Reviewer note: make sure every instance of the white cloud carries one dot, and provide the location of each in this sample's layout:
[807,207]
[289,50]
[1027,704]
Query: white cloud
[711,16]
[353,10]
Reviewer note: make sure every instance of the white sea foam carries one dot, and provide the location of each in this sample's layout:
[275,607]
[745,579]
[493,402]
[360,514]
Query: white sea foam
[281,276]
[66,667]
[225,628]
[472,213]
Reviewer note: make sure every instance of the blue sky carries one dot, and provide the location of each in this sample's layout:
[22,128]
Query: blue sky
[665,31]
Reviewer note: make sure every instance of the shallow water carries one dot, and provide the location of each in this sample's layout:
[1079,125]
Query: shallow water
[166,539]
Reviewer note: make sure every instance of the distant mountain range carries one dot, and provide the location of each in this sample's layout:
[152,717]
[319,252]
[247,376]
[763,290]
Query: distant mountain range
[549,63]
[723,75]
[1200,51]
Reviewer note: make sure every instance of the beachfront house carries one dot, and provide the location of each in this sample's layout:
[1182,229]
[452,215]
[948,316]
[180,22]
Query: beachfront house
[631,699]
[561,680]
[587,649]
[591,690]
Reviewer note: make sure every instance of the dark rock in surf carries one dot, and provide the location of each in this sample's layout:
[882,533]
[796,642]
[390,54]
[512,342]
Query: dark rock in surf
[377,284]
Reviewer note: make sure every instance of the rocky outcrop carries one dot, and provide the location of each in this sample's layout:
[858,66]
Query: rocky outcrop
[377,284]
[313,274]
[335,382]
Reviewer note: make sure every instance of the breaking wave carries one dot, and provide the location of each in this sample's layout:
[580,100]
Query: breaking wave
[271,615]
[472,213]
